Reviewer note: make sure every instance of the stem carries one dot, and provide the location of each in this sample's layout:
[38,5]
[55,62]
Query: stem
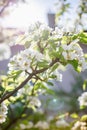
[27,79]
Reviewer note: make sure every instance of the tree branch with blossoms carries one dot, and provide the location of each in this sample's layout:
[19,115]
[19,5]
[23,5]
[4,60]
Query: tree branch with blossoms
[46,50]
[27,79]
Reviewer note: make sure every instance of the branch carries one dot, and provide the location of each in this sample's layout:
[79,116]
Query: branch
[16,89]
[41,49]
[6,5]
[27,79]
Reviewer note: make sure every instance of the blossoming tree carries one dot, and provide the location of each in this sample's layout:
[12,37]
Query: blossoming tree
[31,71]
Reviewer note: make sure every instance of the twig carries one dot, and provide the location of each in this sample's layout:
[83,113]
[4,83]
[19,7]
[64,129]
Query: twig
[27,79]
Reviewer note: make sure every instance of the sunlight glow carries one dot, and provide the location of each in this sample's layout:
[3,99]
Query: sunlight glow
[24,15]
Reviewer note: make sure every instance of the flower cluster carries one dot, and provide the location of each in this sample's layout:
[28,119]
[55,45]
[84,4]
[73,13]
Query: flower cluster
[81,124]
[45,124]
[61,123]
[69,23]
[58,75]
[26,91]
[42,125]
[33,100]
[24,60]
[74,52]
[27,126]
[37,32]
[3,112]
[58,32]
[83,99]
[42,33]
[76,125]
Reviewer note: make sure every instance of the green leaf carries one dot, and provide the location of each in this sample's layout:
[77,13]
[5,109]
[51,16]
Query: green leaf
[50,83]
[54,67]
[84,85]
[84,118]
[74,63]
[15,73]
[54,54]
[52,44]
[43,63]
[75,36]
[50,91]
[83,37]
[52,76]
[82,107]
[74,115]
[9,88]
[40,85]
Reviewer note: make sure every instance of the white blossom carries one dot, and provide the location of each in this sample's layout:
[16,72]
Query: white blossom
[24,90]
[74,52]
[60,4]
[40,110]
[20,92]
[83,99]
[23,60]
[76,125]
[58,32]
[50,118]
[2,117]
[3,112]
[29,125]
[26,126]
[3,108]
[22,126]
[44,28]
[5,51]
[38,31]
[34,101]
[61,123]
[42,125]
[58,75]
[65,55]
[84,64]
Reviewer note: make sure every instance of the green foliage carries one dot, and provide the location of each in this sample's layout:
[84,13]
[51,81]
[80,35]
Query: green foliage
[83,37]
